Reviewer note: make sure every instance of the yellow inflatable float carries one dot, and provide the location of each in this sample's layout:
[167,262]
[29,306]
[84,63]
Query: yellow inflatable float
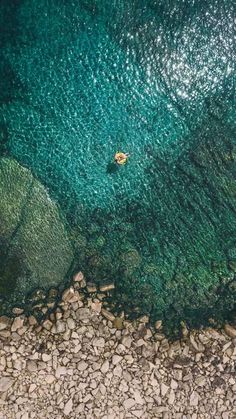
[121,158]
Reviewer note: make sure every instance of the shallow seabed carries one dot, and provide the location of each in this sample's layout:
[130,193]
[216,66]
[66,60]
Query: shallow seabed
[83,79]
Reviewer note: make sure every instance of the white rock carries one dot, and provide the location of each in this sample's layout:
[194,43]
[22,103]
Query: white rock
[200,380]
[32,387]
[117,371]
[46,357]
[173,384]
[71,323]
[127,341]
[105,367]
[47,324]
[171,397]
[194,399]
[129,403]
[82,366]
[50,378]
[116,359]
[99,342]
[5,383]
[60,371]
[138,413]
[60,326]
[138,397]
[96,306]
[164,389]
[68,407]
[83,313]
[31,366]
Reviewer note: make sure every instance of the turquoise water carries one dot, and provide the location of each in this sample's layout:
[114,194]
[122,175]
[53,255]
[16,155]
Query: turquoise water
[83,79]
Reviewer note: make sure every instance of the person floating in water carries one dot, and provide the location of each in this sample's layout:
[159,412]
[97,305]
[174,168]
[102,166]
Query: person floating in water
[121,158]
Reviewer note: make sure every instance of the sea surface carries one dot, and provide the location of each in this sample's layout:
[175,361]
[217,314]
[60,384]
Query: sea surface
[82,79]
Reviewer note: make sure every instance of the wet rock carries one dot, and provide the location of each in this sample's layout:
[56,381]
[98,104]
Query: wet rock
[107,287]
[4,322]
[96,306]
[230,330]
[78,277]
[158,324]
[91,287]
[17,323]
[47,324]
[83,313]
[118,323]
[68,295]
[107,314]
[17,311]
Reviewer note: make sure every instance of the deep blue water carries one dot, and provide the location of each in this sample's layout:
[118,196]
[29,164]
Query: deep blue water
[80,80]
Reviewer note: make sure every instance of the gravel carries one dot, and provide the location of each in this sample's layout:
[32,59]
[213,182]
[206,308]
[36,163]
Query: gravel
[78,364]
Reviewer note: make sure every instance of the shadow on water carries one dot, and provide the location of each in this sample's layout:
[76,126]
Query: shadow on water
[112,168]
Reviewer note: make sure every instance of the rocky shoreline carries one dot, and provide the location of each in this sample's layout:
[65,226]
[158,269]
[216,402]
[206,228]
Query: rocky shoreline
[83,362]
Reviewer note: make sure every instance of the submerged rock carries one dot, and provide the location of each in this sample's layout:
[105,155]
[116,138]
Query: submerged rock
[36,250]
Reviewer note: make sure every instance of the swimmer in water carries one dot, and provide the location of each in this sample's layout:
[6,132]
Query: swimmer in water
[121,158]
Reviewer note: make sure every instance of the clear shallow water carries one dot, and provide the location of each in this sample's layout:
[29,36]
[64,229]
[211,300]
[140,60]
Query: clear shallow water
[82,79]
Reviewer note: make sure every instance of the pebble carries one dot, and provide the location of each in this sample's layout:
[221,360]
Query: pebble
[105,367]
[129,403]
[194,398]
[5,383]
[164,389]
[17,323]
[116,359]
[99,342]
[87,365]
[82,366]
[31,366]
[68,407]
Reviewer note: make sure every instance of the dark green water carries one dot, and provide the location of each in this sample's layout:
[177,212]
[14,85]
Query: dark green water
[82,79]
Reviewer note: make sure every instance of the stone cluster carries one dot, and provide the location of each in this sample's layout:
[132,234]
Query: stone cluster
[83,362]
